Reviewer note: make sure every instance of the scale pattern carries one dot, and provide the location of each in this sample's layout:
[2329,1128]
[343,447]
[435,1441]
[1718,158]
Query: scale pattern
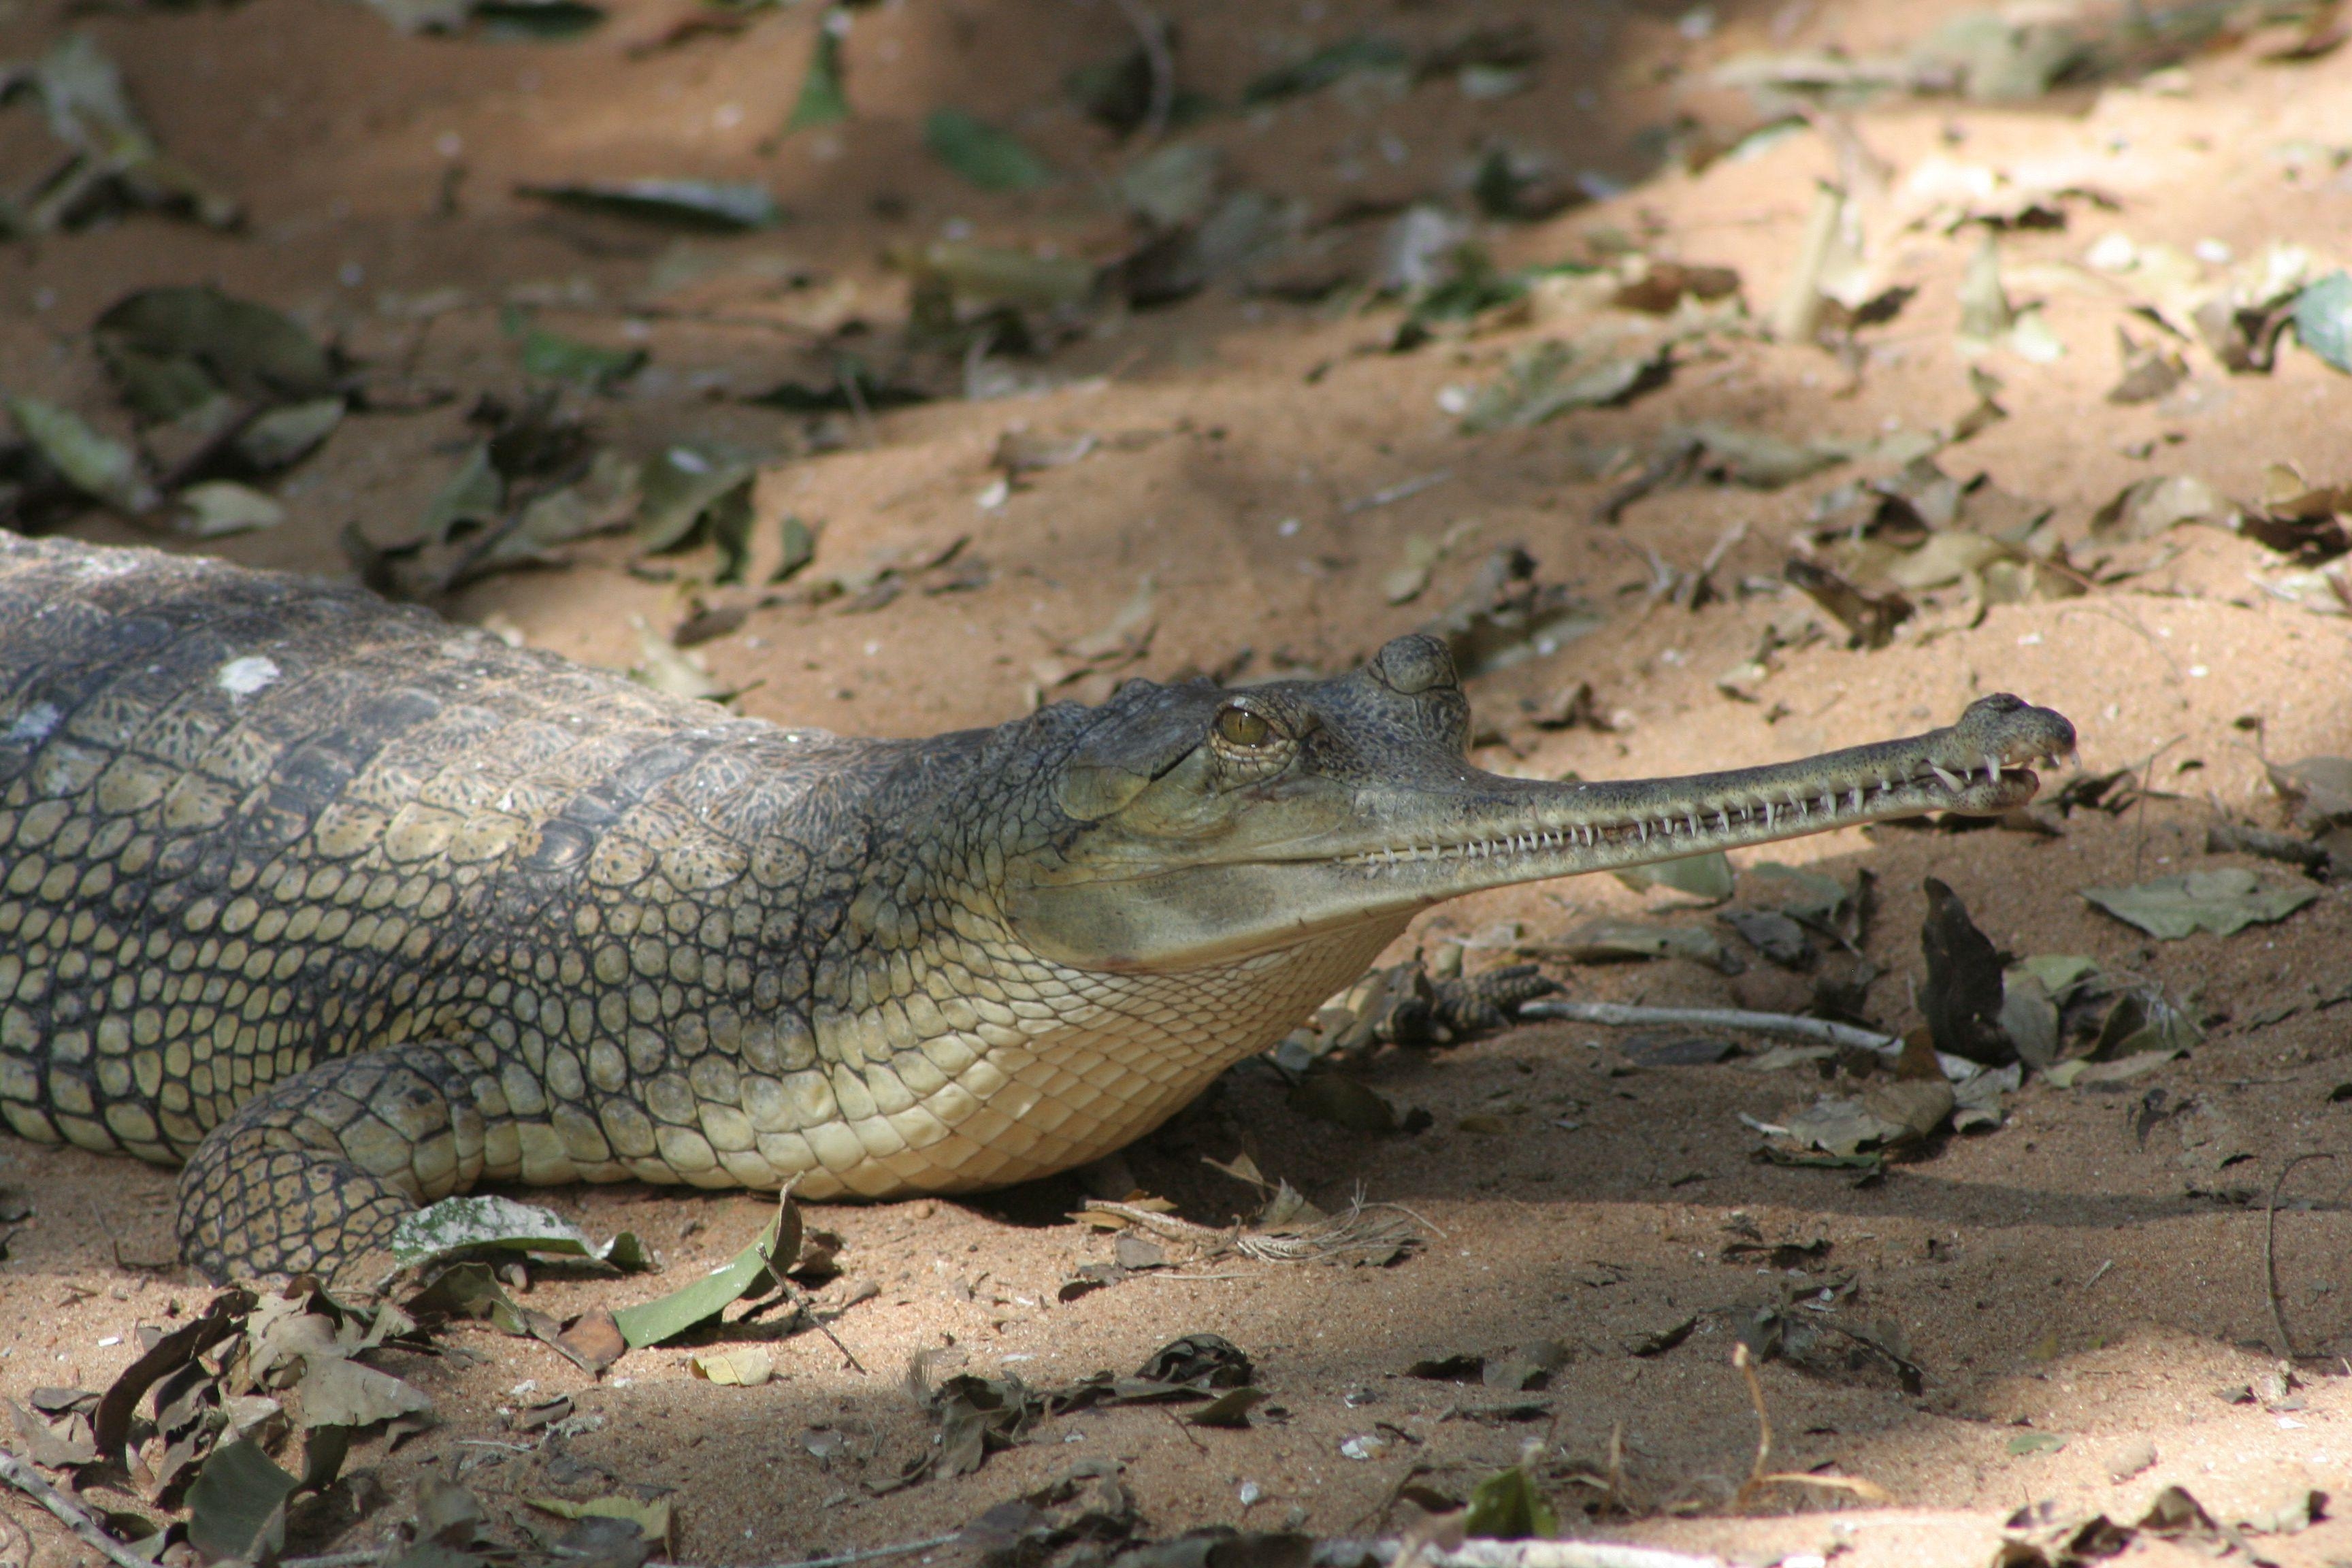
[345,910]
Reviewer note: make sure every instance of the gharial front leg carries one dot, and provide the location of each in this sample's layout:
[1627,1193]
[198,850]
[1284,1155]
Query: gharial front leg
[312,1175]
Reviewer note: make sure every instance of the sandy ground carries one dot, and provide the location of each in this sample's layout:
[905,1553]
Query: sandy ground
[2068,1273]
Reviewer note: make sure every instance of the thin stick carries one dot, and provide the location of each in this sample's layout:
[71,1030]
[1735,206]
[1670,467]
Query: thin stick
[1152,33]
[1333,1553]
[2270,1251]
[1788,1025]
[839,1559]
[1165,1224]
[333,1560]
[808,1309]
[20,1474]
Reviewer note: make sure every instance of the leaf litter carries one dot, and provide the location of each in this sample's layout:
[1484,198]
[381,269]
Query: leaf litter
[113,161]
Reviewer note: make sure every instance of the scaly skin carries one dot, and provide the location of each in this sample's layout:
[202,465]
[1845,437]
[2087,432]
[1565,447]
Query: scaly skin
[346,910]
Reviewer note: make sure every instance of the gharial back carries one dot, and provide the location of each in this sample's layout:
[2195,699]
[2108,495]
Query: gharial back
[475,911]
[249,821]
[254,821]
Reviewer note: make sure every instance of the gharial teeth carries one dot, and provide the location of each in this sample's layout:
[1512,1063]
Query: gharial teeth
[1952,781]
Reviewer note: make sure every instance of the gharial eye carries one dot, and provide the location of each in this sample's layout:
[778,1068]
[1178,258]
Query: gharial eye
[1240,727]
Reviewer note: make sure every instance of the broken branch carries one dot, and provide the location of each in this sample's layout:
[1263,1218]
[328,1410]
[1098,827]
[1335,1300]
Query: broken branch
[20,1474]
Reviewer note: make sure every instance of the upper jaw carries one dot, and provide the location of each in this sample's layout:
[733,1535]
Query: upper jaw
[1514,831]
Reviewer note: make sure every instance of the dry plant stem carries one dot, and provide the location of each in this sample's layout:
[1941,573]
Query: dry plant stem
[2269,1252]
[1509,1554]
[335,1560]
[800,1299]
[20,1474]
[1165,1224]
[1760,1477]
[841,1559]
[1788,1025]
[1746,1363]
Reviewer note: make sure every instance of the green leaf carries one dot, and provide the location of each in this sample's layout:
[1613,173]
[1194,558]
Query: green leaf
[235,1502]
[457,1226]
[823,101]
[2059,972]
[652,1518]
[800,549]
[555,357]
[666,1317]
[164,344]
[744,1366]
[536,21]
[99,466]
[1705,876]
[1172,186]
[998,275]
[1231,1408]
[989,158]
[2143,1020]
[471,1290]
[2323,319]
[1605,942]
[285,435]
[2223,902]
[1325,67]
[113,155]
[159,389]
[683,484]
[728,520]
[220,507]
[1507,1506]
[1537,386]
[476,492]
[2027,1443]
[686,203]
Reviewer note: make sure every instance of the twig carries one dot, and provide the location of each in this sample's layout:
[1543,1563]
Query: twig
[808,1308]
[1361,1227]
[1789,1024]
[334,1559]
[1337,1551]
[1165,1224]
[20,1474]
[839,1559]
[2270,1251]
[1151,32]
[1397,492]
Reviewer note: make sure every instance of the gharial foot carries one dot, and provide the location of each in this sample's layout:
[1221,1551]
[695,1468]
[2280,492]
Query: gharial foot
[312,1175]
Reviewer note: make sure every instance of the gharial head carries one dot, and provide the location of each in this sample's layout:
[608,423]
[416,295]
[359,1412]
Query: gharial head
[1206,824]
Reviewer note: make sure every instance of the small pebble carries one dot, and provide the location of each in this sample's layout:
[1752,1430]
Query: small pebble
[2128,1459]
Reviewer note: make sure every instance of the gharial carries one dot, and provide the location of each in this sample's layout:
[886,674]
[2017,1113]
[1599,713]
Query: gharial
[346,908]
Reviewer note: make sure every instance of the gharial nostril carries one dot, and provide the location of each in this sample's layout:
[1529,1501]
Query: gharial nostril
[1414,663]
